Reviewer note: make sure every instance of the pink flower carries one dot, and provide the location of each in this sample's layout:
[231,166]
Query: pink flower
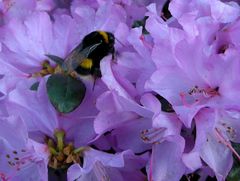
[196,75]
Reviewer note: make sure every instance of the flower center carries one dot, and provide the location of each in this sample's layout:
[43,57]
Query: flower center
[199,95]
[153,135]
[230,130]
[208,92]
[63,155]
[18,160]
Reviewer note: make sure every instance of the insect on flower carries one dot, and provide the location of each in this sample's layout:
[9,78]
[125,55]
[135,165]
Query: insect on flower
[65,88]
[85,58]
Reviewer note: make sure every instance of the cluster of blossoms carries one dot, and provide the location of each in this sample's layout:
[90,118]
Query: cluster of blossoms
[165,109]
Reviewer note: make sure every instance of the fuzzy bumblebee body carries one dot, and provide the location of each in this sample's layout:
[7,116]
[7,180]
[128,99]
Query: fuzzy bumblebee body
[85,58]
[65,87]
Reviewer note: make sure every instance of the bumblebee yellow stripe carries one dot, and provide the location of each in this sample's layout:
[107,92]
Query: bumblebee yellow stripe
[104,35]
[86,63]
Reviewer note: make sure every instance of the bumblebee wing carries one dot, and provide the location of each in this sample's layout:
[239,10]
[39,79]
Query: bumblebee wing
[78,54]
[56,59]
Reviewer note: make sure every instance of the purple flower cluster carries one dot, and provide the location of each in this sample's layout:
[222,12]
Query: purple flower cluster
[166,108]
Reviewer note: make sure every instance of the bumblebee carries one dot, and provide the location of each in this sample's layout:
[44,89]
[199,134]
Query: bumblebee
[85,58]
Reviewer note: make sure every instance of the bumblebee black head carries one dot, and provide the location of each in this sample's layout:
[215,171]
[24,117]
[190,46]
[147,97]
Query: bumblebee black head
[105,40]
[95,37]
[104,45]
[111,39]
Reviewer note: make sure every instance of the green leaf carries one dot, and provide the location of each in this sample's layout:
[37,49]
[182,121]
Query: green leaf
[234,174]
[34,87]
[65,92]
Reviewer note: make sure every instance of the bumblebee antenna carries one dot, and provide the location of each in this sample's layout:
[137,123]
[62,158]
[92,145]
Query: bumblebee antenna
[120,42]
[113,52]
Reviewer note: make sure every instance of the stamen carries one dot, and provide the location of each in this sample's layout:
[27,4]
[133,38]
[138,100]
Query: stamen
[209,92]
[153,135]
[80,149]
[206,93]
[22,161]
[47,69]
[70,159]
[62,154]
[55,163]
[60,157]
[18,162]
[100,172]
[51,148]
[230,130]
[194,90]
[52,151]
[226,143]
[45,64]
[68,149]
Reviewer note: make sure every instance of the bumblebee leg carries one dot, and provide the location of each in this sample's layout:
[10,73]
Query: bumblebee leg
[74,74]
[113,53]
[97,72]
[113,56]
